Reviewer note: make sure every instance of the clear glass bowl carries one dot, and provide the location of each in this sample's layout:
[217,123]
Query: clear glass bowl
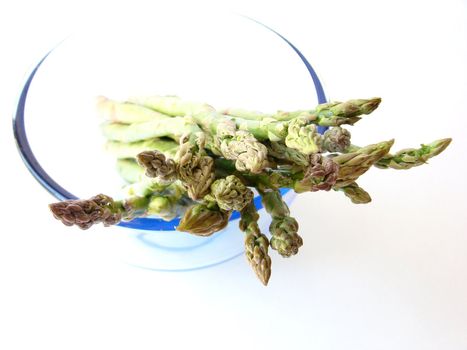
[225,60]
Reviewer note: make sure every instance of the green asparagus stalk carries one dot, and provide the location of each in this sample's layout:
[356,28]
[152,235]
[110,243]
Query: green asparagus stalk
[173,128]
[320,174]
[195,170]
[241,146]
[356,194]
[256,243]
[191,166]
[327,114]
[297,133]
[157,165]
[170,205]
[130,150]
[280,151]
[264,129]
[352,165]
[229,193]
[172,105]
[145,187]
[129,170]
[283,228]
[411,157]
[204,219]
[303,136]
[336,139]
[244,149]
[98,209]
[126,113]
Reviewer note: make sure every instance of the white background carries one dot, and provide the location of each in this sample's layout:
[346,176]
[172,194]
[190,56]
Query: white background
[388,275]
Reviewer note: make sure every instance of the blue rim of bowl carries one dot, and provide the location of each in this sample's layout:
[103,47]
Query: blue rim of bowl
[148,224]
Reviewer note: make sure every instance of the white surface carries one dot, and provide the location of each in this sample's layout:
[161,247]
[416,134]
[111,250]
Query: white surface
[389,275]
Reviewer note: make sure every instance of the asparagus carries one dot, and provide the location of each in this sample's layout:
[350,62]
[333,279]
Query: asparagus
[170,205]
[207,175]
[264,129]
[283,228]
[230,193]
[248,153]
[192,167]
[172,105]
[280,151]
[241,146]
[303,136]
[352,165]
[336,139]
[256,243]
[126,113]
[103,209]
[145,187]
[129,170]
[131,150]
[296,133]
[156,165]
[98,209]
[320,175]
[173,128]
[204,219]
[411,157]
[356,194]
[327,114]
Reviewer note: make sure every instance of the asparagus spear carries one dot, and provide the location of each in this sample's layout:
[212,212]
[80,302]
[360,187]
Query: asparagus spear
[241,146]
[130,150]
[248,153]
[256,243]
[303,136]
[192,167]
[352,165]
[170,205]
[172,105]
[173,128]
[126,113]
[356,194]
[98,209]
[280,151]
[296,133]
[321,174]
[264,129]
[145,187]
[157,165]
[129,170]
[196,172]
[336,139]
[229,193]
[204,219]
[411,157]
[327,114]
[283,228]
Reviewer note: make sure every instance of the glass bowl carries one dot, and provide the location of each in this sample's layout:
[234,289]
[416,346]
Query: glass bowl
[225,60]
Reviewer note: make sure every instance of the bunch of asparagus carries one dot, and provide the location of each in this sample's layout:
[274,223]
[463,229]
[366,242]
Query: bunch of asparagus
[189,160]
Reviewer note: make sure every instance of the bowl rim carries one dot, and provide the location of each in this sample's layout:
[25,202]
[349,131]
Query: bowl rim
[149,223]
